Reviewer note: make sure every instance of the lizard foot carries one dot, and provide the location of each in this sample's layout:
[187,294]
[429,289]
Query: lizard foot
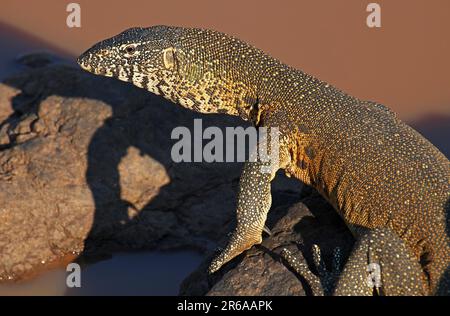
[235,247]
[324,282]
[328,278]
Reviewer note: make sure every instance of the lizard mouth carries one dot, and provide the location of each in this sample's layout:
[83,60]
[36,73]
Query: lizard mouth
[91,63]
[85,66]
[97,71]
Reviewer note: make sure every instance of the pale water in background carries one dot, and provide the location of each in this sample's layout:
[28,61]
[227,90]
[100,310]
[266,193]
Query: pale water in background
[141,273]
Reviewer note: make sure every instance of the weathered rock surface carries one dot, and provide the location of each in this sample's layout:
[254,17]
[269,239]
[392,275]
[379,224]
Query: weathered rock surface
[85,168]
[261,271]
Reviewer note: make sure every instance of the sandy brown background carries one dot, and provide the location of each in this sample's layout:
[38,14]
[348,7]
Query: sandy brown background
[405,64]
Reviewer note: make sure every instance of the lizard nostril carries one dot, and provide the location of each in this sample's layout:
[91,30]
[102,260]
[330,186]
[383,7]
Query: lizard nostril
[84,61]
[80,60]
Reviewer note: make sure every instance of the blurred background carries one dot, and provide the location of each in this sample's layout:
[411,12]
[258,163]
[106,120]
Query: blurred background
[404,64]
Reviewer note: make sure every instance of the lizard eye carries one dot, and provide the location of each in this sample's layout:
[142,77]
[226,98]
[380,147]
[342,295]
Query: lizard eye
[130,50]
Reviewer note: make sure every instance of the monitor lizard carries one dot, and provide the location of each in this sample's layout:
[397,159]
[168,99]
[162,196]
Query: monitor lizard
[389,184]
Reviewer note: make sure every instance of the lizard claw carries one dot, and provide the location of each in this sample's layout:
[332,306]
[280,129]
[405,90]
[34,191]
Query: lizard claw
[267,230]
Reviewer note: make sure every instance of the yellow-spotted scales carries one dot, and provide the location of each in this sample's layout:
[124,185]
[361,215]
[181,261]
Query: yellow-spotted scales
[390,185]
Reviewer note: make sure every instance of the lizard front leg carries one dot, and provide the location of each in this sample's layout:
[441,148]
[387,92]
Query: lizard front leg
[254,197]
[254,201]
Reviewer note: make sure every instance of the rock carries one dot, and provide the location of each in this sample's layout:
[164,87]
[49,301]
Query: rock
[261,271]
[85,169]
[37,60]
[6,109]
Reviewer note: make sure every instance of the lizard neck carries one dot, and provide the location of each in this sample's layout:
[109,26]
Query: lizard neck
[222,74]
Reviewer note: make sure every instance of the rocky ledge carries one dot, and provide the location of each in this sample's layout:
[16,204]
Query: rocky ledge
[85,169]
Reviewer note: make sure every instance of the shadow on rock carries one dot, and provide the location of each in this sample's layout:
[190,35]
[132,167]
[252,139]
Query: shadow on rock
[86,169]
[261,270]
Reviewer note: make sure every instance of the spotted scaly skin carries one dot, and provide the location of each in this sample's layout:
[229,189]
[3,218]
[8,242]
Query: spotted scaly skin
[376,171]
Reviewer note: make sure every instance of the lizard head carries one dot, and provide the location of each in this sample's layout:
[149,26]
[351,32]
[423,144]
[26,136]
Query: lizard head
[137,55]
[193,67]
